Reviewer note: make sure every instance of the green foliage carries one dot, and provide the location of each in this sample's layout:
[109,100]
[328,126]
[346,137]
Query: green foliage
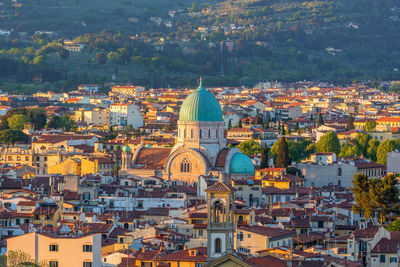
[250,147]
[13,136]
[349,150]
[373,146]
[297,150]
[101,58]
[375,196]
[38,117]
[320,120]
[65,122]
[370,126]
[350,122]
[329,142]
[17,121]
[385,147]
[264,157]
[64,53]
[394,226]
[282,158]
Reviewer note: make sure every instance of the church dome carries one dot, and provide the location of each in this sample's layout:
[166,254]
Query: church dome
[126,148]
[240,163]
[200,105]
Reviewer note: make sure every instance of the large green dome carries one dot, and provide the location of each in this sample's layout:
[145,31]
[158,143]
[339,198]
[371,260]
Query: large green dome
[200,105]
[240,163]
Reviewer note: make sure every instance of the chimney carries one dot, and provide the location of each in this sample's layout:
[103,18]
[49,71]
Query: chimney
[144,249]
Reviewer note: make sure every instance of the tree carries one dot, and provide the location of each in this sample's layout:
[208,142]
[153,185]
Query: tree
[360,190]
[376,196]
[19,258]
[370,126]
[17,121]
[11,137]
[362,141]
[250,147]
[372,149]
[240,124]
[320,120]
[54,123]
[283,132]
[264,157]
[38,117]
[349,150]
[39,60]
[282,158]
[385,147]
[385,196]
[350,122]
[259,119]
[230,123]
[68,124]
[394,226]
[101,58]
[329,142]
[64,53]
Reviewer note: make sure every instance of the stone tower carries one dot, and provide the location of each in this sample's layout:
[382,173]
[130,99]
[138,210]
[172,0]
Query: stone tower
[220,220]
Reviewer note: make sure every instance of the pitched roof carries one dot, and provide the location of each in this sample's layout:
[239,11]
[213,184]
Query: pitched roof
[152,158]
[266,231]
[200,254]
[386,246]
[220,187]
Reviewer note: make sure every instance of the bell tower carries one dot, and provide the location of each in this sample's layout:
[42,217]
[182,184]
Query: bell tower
[220,220]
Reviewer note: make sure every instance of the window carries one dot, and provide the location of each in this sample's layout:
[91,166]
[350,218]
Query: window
[191,133]
[185,165]
[87,248]
[383,258]
[200,133]
[248,235]
[393,259]
[53,248]
[87,264]
[53,263]
[339,172]
[218,245]
[198,264]
[209,133]
[200,232]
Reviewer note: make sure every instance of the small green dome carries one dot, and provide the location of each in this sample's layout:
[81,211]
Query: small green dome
[126,148]
[240,163]
[201,105]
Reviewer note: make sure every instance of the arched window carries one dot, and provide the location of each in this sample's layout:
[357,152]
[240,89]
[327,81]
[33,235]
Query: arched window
[126,225]
[219,212]
[185,165]
[209,133]
[217,245]
[184,133]
[191,133]
[200,133]
[339,171]
[216,133]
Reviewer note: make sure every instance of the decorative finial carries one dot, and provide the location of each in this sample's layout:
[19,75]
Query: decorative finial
[221,177]
[200,84]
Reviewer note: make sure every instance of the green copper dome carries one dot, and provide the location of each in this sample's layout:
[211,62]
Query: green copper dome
[240,163]
[200,105]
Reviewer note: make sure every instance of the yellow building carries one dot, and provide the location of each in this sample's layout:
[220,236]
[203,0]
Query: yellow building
[286,181]
[80,165]
[186,258]
[58,251]
[48,214]
[260,173]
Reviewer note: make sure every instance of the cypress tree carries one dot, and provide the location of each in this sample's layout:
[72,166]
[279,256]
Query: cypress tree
[320,120]
[282,158]
[283,132]
[264,157]
[350,122]
[240,124]
[296,126]
[229,124]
